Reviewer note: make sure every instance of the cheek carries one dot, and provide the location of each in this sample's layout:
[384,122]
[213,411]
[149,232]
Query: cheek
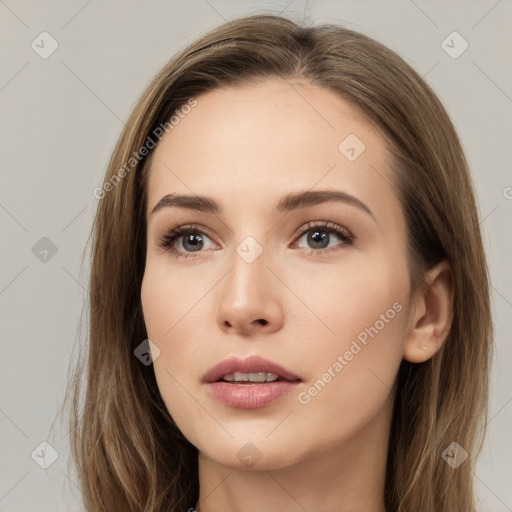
[175,316]
[166,320]
[162,309]
[353,364]
[167,296]
[352,296]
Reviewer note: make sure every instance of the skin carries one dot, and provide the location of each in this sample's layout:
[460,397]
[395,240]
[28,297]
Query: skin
[247,148]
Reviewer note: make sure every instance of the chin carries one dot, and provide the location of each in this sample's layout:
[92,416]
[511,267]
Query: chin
[252,454]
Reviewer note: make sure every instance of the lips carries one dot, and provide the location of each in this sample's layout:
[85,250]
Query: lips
[252,364]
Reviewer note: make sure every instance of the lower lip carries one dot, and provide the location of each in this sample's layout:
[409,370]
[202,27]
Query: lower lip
[250,396]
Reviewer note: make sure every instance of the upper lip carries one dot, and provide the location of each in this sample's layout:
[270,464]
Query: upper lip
[252,364]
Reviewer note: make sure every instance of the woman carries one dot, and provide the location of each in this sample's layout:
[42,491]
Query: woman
[289,293]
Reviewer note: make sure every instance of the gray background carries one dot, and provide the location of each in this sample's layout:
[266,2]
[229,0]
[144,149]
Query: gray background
[60,118]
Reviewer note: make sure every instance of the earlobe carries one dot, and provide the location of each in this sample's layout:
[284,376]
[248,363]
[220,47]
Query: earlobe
[431,314]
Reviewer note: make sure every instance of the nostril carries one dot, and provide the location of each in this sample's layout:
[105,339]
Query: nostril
[262,321]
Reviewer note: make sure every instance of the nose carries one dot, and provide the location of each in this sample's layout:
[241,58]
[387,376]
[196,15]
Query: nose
[248,298]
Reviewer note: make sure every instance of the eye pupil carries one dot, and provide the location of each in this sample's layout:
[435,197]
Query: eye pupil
[319,237]
[195,241]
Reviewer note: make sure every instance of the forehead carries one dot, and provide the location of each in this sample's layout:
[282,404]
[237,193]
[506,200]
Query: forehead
[249,146]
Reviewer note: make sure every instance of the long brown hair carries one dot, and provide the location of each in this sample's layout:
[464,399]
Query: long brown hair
[129,454]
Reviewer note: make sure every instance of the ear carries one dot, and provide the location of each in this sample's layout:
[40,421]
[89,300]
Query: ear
[431,314]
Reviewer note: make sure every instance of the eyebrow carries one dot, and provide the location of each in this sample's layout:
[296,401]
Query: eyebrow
[294,201]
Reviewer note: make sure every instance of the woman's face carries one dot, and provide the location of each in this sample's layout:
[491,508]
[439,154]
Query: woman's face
[262,274]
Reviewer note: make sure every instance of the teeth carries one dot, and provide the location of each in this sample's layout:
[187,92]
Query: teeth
[250,377]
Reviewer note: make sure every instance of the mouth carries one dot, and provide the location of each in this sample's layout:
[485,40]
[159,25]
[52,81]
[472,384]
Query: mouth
[251,370]
[253,378]
[250,383]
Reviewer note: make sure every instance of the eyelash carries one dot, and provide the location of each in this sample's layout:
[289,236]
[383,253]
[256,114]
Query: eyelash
[167,240]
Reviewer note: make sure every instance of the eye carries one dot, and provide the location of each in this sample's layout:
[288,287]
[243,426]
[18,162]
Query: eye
[191,238]
[320,234]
